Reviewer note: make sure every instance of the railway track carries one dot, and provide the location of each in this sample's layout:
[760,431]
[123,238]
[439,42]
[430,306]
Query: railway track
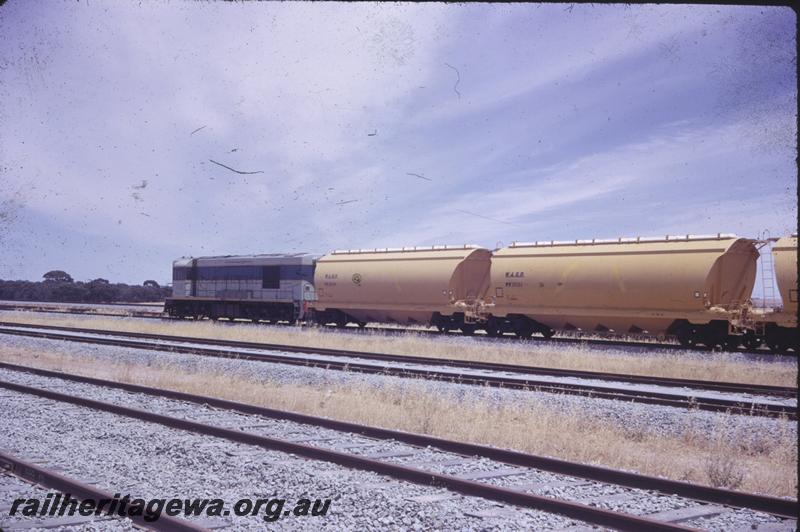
[410,461]
[732,387]
[558,338]
[49,478]
[463,372]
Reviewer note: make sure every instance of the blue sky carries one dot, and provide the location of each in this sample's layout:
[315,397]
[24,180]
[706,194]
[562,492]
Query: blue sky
[383,125]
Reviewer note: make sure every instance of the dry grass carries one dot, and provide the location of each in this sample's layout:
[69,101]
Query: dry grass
[712,367]
[743,459]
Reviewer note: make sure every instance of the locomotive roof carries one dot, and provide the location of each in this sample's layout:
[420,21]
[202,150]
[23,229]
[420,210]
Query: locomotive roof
[263,258]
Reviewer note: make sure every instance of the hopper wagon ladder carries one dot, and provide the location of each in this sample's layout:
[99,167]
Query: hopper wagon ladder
[767,273]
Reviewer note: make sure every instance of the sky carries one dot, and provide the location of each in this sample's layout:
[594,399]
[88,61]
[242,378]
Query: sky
[135,133]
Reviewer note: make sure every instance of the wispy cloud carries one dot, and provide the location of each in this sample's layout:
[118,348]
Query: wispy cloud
[598,121]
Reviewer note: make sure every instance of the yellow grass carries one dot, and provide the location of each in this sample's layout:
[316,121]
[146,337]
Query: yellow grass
[735,458]
[680,364]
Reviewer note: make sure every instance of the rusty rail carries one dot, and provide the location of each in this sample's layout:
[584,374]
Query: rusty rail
[50,479]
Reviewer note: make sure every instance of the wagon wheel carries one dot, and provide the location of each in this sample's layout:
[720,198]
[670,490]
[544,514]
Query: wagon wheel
[687,335]
[776,345]
[468,329]
[547,332]
[523,330]
[751,341]
[731,342]
[491,329]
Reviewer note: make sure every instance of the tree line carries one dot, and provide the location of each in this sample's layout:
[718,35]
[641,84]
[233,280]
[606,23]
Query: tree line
[59,286]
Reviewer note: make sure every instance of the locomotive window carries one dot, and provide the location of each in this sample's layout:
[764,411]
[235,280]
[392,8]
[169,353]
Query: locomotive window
[498,292]
[271,277]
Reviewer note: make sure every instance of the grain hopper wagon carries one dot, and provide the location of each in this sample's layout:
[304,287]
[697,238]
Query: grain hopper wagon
[438,285]
[689,286]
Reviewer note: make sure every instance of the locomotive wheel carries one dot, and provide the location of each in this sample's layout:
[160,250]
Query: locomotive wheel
[362,324]
[467,329]
[441,327]
[547,333]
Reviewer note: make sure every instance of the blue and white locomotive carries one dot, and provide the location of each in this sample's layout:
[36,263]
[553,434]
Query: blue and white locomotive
[269,288]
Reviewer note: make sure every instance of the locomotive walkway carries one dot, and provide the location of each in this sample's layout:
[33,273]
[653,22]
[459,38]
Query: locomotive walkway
[500,482]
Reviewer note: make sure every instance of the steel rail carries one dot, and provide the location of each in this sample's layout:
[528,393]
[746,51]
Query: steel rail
[772,505]
[569,509]
[85,312]
[598,392]
[50,479]
[731,387]
[558,339]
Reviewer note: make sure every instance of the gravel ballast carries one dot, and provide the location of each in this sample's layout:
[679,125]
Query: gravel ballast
[180,455]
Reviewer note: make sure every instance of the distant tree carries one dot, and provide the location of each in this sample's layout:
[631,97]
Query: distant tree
[151,284]
[100,290]
[99,280]
[58,276]
[68,292]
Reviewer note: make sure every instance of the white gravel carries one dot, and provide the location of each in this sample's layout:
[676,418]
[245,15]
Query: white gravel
[123,455]
[91,430]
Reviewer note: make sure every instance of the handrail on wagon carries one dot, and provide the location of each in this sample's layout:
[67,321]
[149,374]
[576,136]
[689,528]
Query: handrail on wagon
[405,249]
[624,240]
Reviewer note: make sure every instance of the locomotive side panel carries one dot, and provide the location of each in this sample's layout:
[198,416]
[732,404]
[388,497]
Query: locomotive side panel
[624,286]
[258,287]
[407,286]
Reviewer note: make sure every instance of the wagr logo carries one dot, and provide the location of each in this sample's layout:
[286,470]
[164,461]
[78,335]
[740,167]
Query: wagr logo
[356,278]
